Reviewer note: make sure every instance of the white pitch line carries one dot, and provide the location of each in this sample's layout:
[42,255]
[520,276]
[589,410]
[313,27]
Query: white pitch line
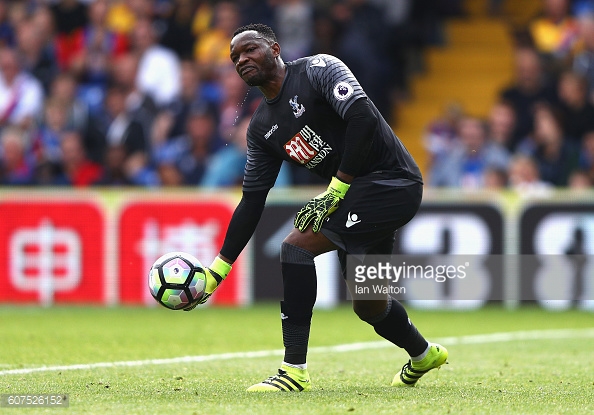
[339,348]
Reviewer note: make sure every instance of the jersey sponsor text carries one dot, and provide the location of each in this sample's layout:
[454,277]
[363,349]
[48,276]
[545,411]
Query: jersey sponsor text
[307,148]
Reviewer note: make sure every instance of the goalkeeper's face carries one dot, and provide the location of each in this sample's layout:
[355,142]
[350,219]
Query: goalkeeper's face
[254,57]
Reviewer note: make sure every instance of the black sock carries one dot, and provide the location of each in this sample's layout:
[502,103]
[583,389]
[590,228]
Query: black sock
[300,289]
[395,326]
[295,338]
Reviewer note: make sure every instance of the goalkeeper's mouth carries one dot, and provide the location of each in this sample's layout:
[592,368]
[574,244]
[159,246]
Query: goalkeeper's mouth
[247,70]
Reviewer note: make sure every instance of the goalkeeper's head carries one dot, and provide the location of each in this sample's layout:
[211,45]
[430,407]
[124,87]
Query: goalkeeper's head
[256,54]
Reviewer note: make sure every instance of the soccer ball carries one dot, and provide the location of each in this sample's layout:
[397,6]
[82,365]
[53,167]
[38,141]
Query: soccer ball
[177,280]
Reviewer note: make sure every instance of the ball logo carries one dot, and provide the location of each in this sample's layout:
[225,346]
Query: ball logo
[343,90]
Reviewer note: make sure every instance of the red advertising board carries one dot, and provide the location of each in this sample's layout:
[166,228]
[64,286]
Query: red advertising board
[148,230]
[51,252]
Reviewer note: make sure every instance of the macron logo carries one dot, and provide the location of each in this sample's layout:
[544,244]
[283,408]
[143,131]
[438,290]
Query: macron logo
[269,133]
[352,219]
[283,316]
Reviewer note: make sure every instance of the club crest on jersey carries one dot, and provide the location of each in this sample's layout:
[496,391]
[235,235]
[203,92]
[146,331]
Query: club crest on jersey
[298,109]
[343,90]
[307,148]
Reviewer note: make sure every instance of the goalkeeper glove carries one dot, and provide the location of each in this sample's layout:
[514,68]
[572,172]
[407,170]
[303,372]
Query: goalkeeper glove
[321,206]
[215,274]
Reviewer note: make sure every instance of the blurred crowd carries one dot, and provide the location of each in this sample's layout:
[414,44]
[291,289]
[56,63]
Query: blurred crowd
[142,92]
[540,133]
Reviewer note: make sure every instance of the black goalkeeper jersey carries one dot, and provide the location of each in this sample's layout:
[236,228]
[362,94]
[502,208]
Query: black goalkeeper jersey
[305,125]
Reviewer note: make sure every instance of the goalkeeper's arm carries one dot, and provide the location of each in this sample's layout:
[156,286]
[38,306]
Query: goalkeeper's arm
[361,127]
[241,228]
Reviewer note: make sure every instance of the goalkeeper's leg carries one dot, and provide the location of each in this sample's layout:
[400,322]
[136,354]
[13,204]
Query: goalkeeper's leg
[299,287]
[390,320]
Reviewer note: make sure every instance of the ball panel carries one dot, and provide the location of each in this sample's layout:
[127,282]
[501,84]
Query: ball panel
[154,281]
[174,298]
[176,271]
[197,285]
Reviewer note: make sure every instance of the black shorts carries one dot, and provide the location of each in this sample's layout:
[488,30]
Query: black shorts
[375,206]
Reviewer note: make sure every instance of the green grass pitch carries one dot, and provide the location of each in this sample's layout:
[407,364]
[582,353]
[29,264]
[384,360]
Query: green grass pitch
[547,369]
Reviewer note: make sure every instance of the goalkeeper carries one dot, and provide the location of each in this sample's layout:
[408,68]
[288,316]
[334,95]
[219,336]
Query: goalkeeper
[316,115]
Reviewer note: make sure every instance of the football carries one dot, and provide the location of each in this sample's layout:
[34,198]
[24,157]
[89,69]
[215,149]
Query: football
[177,280]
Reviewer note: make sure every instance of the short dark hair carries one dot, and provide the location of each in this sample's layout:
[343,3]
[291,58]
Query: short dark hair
[266,31]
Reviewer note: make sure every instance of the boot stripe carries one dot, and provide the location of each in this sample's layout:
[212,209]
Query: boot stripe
[287,387]
[406,381]
[420,372]
[273,384]
[293,381]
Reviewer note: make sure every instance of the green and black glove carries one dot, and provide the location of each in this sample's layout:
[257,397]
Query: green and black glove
[321,206]
[215,275]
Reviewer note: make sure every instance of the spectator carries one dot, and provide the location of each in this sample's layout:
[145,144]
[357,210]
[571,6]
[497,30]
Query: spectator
[79,116]
[162,126]
[100,46]
[530,86]
[190,153]
[212,47]
[586,162]
[122,129]
[126,132]
[442,133]
[179,33]
[259,11]
[524,177]
[6,30]
[114,167]
[402,33]
[15,166]
[123,14]
[577,112]
[362,47]
[325,33]
[501,124]
[64,88]
[36,55]
[139,105]
[47,147]
[555,155]
[169,175]
[77,169]
[192,95]
[494,179]
[293,25]
[470,157]
[583,63]
[158,67]
[70,17]
[579,179]
[21,95]
[43,20]
[555,32]
[17,13]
